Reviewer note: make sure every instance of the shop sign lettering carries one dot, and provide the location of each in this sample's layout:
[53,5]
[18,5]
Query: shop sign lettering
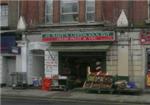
[145,37]
[78,36]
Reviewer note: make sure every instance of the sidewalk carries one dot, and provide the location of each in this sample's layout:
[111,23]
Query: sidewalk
[74,96]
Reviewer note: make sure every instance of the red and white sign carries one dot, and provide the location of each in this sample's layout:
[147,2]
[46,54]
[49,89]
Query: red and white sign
[78,36]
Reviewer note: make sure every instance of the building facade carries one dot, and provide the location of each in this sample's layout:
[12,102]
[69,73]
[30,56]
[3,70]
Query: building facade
[10,53]
[67,37]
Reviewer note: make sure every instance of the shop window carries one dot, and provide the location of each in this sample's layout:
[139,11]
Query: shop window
[48,11]
[90,10]
[4,15]
[69,11]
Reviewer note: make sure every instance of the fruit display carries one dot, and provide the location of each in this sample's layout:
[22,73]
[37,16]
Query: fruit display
[99,81]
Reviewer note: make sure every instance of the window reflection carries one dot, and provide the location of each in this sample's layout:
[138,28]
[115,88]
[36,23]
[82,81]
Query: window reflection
[69,11]
[90,10]
[48,11]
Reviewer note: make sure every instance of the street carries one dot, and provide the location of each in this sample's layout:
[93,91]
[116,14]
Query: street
[19,101]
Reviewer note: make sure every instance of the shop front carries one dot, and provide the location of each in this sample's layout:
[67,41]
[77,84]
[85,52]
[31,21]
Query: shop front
[77,53]
[145,41]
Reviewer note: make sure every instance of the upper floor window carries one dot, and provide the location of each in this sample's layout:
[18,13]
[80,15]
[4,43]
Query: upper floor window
[4,15]
[90,10]
[48,11]
[69,11]
[149,9]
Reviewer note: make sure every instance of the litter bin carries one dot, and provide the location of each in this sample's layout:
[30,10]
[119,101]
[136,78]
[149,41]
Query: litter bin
[46,84]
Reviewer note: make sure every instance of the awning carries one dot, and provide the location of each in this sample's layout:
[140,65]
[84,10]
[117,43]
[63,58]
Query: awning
[80,48]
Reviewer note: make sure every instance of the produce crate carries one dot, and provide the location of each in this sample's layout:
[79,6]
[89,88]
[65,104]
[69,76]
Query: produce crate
[99,84]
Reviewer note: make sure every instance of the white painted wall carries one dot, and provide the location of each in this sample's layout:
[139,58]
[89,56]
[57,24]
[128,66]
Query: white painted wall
[18,63]
[24,57]
[34,38]
[123,61]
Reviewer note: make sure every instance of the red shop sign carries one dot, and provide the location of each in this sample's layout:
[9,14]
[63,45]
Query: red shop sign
[78,36]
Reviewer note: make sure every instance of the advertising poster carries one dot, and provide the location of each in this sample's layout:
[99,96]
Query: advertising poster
[51,63]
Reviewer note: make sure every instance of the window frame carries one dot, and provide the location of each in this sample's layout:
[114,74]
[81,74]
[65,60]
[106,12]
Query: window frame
[69,13]
[50,13]
[86,12]
[4,14]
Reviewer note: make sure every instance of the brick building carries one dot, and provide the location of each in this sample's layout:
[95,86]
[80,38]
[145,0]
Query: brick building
[56,44]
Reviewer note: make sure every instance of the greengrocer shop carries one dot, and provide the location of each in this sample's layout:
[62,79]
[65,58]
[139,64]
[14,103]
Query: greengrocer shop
[76,52]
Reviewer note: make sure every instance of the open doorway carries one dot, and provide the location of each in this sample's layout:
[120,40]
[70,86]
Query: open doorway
[9,66]
[75,64]
[37,65]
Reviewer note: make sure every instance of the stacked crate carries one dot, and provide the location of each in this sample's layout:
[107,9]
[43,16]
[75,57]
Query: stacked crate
[99,83]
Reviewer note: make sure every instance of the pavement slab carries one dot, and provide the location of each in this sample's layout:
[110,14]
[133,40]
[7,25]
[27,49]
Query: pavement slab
[74,95]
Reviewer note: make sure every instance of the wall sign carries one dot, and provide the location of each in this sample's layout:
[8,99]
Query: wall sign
[16,50]
[145,37]
[78,36]
[38,46]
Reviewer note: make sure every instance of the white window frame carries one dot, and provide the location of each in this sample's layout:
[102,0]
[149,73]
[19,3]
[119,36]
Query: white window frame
[89,21]
[51,12]
[61,13]
[4,15]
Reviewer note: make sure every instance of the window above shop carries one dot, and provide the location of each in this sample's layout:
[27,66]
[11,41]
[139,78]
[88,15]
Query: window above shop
[90,10]
[4,15]
[48,11]
[69,11]
[148,20]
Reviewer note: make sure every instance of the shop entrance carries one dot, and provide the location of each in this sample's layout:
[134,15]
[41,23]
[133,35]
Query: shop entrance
[148,69]
[9,66]
[37,65]
[74,65]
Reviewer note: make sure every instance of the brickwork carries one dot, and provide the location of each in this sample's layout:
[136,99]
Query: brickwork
[98,10]
[56,11]
[82,11]
[3,2]
[140,12]
[41,11]
[108,11]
